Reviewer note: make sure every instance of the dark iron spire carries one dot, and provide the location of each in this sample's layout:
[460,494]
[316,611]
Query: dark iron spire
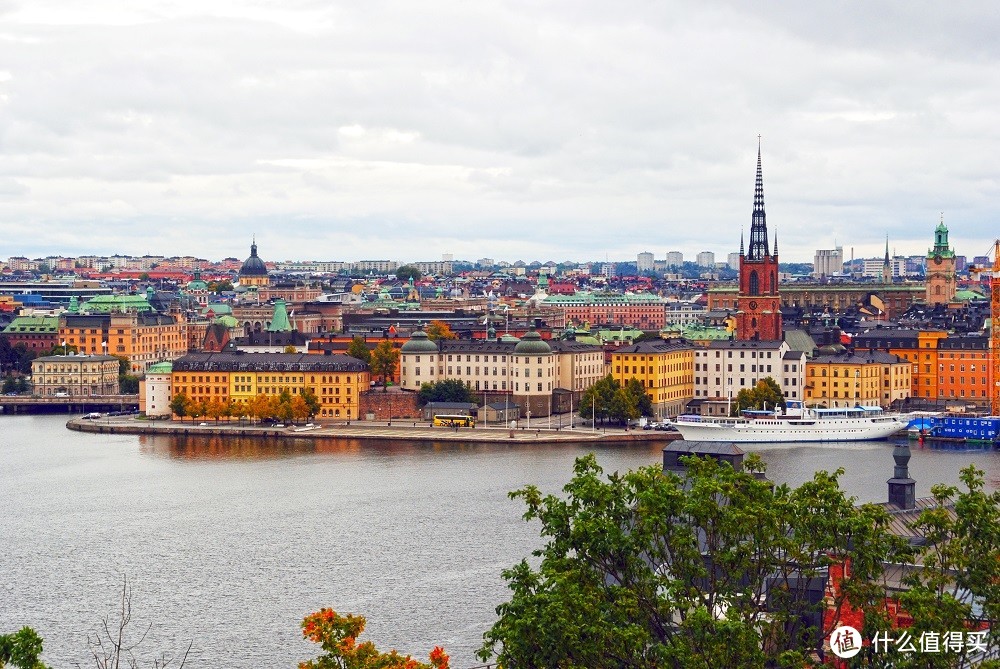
[758,226]
[741,241]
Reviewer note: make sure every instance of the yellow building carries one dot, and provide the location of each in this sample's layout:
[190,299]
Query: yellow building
[665,368]
[873,378]
[336,380]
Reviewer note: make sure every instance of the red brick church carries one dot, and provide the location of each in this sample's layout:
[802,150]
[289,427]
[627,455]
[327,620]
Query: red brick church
[758,304]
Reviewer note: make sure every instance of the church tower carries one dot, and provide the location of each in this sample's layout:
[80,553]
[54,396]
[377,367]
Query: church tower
[940,270]
[758,302]
[887,264]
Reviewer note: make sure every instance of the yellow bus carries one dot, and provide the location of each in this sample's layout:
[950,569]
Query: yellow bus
[454,420]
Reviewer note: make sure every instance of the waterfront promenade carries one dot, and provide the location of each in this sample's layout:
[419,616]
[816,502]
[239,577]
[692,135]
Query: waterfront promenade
[377,430]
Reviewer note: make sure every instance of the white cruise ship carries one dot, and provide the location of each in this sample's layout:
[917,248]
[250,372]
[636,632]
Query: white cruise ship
[860,423]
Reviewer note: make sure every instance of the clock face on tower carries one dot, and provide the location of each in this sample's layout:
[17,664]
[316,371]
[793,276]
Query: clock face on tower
[937,259]
[752,304]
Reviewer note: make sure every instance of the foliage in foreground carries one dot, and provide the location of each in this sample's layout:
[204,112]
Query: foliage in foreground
[21,649]
[650,570]
[338,636]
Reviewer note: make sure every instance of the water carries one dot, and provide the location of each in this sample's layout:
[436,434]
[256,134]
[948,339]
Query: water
[228,543]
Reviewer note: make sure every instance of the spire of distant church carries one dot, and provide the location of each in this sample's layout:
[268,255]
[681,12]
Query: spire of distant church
[887,250]
[776,241]
[758,226]
[741,241]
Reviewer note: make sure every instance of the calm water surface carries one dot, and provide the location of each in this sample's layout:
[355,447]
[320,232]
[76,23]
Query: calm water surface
[229,543]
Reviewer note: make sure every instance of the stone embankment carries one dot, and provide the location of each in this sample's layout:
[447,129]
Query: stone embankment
[403,431]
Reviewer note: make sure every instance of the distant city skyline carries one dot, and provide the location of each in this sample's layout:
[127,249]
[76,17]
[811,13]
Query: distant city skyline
[557,131]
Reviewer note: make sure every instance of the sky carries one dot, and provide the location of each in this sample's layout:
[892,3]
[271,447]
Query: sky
[565,130]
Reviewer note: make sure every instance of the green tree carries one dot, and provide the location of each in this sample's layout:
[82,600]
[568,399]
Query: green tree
[649,570]
[179,405]
[957,583]
[359,349]
[21,649]
[642,399]
[448,390]
[437,330]
[312,402]
[407,272]
[596,400]
[225,286]
[766,395]
[624,406]
[290,348]
[383,363]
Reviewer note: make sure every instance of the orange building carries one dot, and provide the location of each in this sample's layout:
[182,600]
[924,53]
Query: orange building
[337,380]
[143,338]
[964,370]
[920,347]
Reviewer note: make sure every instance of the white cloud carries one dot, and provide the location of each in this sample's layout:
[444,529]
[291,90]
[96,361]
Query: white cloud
[506,129]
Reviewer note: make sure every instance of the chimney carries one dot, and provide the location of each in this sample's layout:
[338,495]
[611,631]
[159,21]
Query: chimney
[901,486]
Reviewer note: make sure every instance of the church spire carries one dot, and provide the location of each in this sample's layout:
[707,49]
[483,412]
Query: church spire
[758,225]
[741,241]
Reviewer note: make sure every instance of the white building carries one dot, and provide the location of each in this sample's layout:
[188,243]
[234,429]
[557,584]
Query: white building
[644,262]
[724,368]
[827,262]
[706,259]
[675,259]
[156,390]
[733,261]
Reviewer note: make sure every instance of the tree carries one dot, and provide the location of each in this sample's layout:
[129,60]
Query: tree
[709,569]
[290,348]
[643,401]
[179,405]
[957,583]
[21,649]
[624,406]
[439,330]
[115,645]
[359,349]
[596,400]
[312,402]
[449,390]
[338,637]
[384,360]
[215,408]
[765,395]
[224,286]
[407,272]
[300,410]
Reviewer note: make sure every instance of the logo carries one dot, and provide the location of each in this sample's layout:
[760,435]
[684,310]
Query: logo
[845,642]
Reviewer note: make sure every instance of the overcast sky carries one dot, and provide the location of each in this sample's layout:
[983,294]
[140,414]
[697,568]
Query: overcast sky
[522,130]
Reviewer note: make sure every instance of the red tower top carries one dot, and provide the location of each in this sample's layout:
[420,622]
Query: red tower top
[759,302]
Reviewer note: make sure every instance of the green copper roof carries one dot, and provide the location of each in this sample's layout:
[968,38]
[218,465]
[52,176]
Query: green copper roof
[161,368]
[279,321]
[419,343]
[228,321]
[106,304]
[33,324]
[585,298]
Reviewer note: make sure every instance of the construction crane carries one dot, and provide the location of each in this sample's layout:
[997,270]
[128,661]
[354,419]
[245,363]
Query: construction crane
[995,331]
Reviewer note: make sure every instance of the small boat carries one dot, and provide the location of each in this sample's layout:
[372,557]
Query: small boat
[797,423]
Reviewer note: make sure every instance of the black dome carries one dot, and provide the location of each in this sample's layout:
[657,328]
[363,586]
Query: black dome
[253,266]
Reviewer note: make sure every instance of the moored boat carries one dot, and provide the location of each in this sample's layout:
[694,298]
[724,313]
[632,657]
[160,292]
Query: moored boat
[859,423]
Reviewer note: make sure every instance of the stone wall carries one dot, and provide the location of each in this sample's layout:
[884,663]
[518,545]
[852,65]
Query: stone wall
[390,405]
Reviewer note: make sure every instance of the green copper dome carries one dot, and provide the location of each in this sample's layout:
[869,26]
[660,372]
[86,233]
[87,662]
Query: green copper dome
[532,344]
[419,342]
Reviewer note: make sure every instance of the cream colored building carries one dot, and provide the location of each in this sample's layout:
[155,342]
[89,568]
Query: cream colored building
[75,375]
[156,390]
[540,376]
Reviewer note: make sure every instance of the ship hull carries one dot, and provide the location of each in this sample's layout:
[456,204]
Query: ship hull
[776,431]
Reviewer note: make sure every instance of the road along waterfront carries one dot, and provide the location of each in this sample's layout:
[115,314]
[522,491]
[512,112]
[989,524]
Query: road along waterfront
[230,540]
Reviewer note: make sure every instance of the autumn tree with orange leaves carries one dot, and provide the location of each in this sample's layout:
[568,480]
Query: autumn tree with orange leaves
[338,636]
